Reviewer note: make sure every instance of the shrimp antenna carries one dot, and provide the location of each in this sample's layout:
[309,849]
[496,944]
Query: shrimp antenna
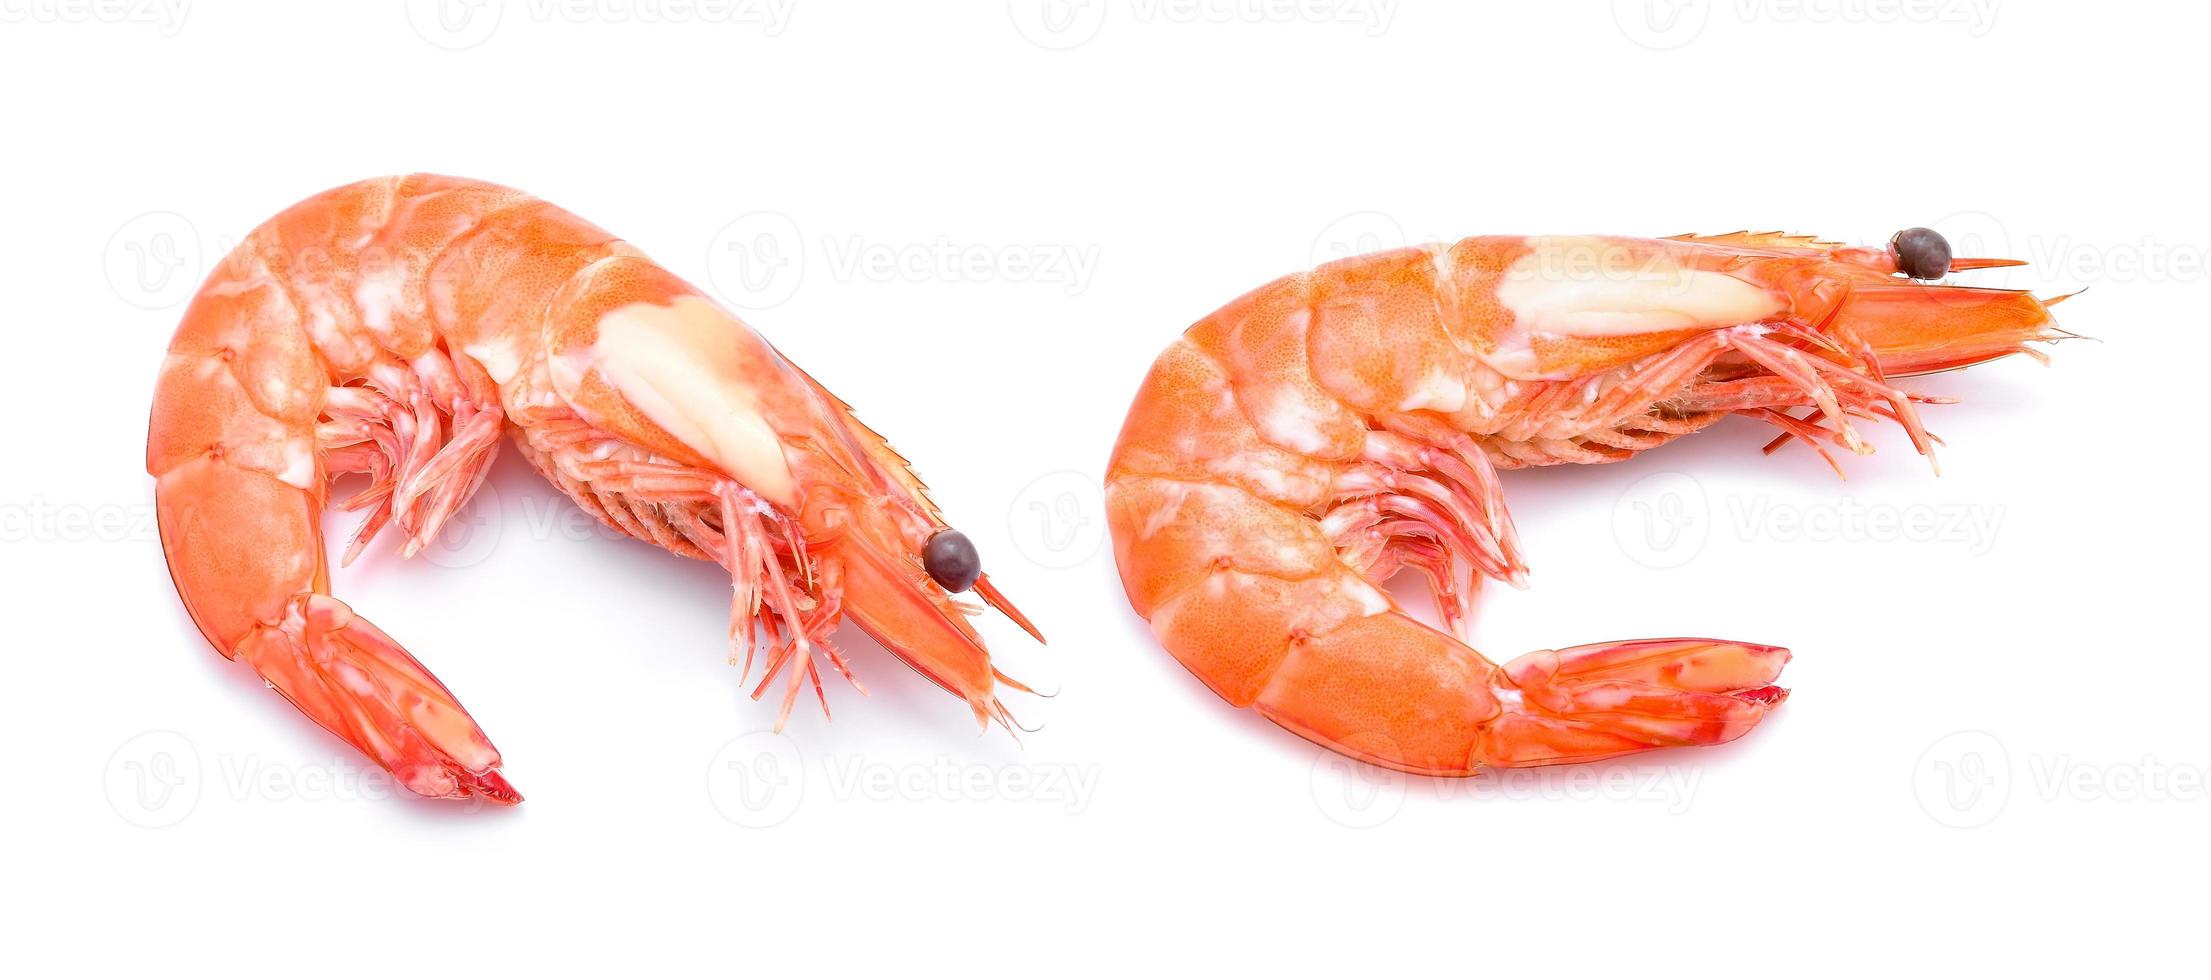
[998,601]
[2055,300]
[999,713]
[1018,686]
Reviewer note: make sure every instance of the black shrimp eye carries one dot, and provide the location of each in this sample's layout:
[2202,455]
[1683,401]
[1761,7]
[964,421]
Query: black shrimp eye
[1921,253]
[951,560]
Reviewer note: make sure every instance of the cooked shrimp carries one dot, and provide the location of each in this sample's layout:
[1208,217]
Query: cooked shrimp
[397,328]
[1297,447]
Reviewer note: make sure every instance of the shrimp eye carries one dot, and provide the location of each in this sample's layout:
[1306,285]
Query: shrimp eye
[1921,253]
[951,560]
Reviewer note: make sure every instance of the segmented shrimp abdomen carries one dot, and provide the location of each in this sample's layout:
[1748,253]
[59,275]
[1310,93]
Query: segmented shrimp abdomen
[1189,423]
[492,289]
[1388,690]
[1209,515]
[1230,447]
[1232,451]
[312,297]
[231,443]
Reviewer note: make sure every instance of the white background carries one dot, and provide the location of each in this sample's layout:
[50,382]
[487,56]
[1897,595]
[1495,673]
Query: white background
[1104,177]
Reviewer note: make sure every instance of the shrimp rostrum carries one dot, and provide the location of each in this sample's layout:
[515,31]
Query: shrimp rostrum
[398,328]
[1292,451]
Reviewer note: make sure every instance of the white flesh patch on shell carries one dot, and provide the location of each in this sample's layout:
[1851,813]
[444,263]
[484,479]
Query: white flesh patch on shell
[1438,390]
[683,365]
[1590,288]
[1371,599]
